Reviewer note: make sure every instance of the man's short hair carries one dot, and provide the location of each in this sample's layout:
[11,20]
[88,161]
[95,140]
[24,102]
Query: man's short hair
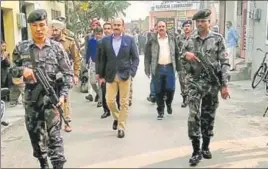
[123,22]
[107,23]
[98,30]
[229,22]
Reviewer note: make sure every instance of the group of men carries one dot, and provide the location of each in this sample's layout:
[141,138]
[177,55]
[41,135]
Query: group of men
[56,54]
[202,63]
[114,64]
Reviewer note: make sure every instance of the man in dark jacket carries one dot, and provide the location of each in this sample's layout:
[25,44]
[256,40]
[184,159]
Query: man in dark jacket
[161,62]
[120,60]
[107,29]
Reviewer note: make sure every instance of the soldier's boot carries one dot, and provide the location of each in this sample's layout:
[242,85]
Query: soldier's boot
[184,102]
[58,165]
[196,156]
[43,163]
[205,148]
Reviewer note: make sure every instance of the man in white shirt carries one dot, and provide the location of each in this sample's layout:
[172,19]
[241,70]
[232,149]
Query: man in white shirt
[162,61]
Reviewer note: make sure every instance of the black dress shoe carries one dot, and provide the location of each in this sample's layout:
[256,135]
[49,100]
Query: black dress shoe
[183,105]
[4,123]
[89,98]
[121,134]
[115,123]
[160,116]
[169,109]
[99,104]
[129,104]
[105,115]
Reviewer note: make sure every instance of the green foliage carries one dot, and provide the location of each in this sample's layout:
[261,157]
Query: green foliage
[80,13]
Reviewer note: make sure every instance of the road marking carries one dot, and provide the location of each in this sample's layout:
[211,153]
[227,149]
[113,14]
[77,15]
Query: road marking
[232,146]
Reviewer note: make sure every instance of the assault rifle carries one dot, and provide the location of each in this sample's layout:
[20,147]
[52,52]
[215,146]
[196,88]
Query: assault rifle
[207,66]
[50,92]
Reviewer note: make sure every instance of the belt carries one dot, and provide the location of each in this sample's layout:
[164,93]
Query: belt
[165,65]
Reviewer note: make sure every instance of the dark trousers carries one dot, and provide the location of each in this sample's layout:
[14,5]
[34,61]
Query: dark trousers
[104,103]
[152,88]
[164,85]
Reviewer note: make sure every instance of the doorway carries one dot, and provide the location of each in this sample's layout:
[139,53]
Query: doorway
[2,26]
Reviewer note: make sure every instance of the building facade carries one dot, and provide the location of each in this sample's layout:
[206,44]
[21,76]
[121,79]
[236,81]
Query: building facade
[250,18]
[174,13]
[14,15]
[259,31]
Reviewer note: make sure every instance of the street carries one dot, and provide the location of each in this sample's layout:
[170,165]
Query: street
[240,134]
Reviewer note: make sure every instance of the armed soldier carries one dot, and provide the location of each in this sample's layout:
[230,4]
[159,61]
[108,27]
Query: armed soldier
[42,120]
[187,28]
[205,50]
[73,53]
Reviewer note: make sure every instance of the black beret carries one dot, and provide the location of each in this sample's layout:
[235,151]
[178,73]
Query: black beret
[187,22]
[202,14]
[37,15]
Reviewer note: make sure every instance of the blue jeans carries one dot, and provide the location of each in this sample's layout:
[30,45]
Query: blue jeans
[164,86]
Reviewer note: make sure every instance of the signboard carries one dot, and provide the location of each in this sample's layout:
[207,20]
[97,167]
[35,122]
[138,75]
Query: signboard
[177,6]
[169,21]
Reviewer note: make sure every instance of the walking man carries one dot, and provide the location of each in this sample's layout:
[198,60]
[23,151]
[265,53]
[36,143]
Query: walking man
[232,41]
[161,62]
[204,49]
[42,121]
[73,54]
[119,62]
[187,28]
[151,98]
[107,29]
[91,55]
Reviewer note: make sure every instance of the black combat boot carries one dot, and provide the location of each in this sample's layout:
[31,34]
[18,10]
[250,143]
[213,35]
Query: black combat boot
[58,165]
[205,148]
[184,102]
[196,156]
[43,163]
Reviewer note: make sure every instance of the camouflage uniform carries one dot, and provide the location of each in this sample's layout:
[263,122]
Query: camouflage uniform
[203,90]
[183,74]
[42,122]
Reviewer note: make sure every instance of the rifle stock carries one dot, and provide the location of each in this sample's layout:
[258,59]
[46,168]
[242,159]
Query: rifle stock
[50,92]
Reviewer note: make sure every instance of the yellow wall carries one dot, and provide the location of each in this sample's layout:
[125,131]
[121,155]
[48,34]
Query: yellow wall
[12,33]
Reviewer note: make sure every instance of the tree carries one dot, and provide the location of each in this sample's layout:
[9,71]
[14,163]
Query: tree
[80,13]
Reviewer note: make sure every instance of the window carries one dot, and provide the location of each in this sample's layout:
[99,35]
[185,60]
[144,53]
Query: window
[55,14]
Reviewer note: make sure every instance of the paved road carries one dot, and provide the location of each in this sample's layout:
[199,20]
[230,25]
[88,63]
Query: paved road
[240,134]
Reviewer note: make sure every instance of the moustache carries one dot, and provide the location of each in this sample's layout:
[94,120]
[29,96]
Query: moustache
[116,29]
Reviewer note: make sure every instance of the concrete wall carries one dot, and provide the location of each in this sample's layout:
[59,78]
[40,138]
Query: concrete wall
[260,36]
[12,32]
